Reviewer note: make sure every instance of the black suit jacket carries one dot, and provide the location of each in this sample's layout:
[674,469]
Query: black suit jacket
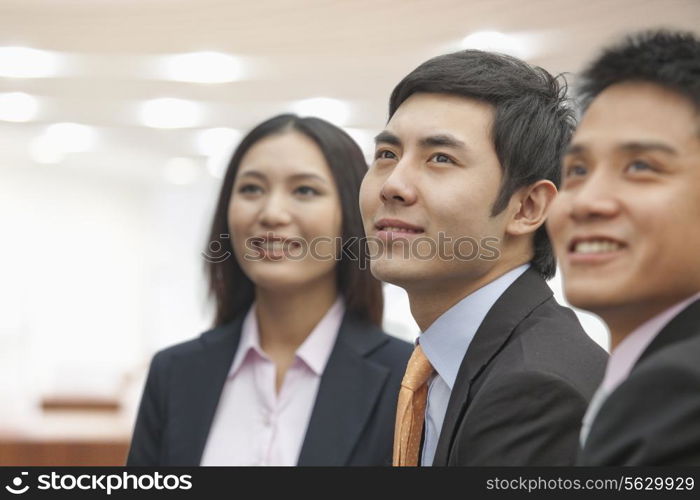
[653,417]
[352,422]
[523,385]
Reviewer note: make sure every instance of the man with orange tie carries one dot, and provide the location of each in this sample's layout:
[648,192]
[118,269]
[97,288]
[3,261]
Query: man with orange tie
[453,207]
[625,227]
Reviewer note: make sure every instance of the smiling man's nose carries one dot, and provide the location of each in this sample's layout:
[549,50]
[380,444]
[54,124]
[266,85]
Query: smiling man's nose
[597,198]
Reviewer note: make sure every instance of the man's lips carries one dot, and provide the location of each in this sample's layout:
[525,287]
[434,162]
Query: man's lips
[397,226]
[594,249]
[595,244]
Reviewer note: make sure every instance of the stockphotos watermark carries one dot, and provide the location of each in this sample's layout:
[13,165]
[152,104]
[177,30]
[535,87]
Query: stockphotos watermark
[108,483]
[361,250]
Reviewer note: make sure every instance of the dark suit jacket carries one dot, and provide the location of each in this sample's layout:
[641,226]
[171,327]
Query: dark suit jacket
[523,385]
[653,417]
[352,422]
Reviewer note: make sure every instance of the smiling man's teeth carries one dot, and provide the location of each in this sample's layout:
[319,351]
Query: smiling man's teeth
[596,246]
[399,230]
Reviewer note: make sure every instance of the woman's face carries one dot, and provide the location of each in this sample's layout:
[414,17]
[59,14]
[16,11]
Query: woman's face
[284,215]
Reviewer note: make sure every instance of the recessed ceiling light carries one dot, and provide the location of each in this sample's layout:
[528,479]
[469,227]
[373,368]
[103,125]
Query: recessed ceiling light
[332,110]
[203,67]
[214,141]
[23,62]
[17,107]
[71,137]
[170,113]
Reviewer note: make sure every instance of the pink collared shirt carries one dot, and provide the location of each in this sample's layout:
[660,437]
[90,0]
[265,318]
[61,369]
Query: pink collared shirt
[626,354]
[255,425]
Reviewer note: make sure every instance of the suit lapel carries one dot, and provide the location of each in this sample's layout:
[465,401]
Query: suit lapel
[197,388]
[526,293]
[350,387]
[684,325]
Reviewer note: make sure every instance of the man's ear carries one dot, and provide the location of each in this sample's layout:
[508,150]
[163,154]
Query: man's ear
[530,205]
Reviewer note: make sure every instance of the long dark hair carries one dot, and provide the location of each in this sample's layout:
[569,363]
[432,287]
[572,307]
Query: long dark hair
[232,290]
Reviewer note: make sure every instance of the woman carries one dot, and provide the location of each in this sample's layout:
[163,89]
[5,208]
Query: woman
[296,369]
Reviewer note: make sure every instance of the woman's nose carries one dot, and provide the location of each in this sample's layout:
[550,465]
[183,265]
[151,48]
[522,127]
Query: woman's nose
[275,211]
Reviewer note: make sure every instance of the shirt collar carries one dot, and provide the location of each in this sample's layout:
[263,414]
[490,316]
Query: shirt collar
[626,354]
[446,341]
[250,341]
[314,351]
[317,347]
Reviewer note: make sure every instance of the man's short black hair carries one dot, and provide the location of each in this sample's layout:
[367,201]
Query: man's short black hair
[532,126]
[670,59]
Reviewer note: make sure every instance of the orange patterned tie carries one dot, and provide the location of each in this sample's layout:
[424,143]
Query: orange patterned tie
[410,411]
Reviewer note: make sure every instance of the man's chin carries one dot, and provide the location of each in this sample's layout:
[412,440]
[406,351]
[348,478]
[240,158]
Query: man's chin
[589,299]
[399,273]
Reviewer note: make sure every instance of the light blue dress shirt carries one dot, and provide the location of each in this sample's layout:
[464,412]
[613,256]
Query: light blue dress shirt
[445,344]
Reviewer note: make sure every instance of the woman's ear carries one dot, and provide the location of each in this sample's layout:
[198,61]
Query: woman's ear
[531,208]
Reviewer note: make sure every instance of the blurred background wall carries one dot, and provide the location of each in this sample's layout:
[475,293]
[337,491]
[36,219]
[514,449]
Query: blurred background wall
[116,121]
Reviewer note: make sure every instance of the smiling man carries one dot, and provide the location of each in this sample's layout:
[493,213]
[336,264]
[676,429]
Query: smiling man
[453,205]
[625,228]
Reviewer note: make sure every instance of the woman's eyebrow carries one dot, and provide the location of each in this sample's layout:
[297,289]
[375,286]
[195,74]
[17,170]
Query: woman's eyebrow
[305,176]
[295,177]
[253,173]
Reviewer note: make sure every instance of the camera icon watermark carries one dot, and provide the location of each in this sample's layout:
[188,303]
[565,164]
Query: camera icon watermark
[16,488]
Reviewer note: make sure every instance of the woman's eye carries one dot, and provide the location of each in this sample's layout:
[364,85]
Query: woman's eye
[306,191]
[441,158]
[639,166]
[249,189]
[384,154]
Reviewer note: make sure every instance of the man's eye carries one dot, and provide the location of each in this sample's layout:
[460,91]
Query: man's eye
[441,158]
[639,166]
[306,191]
[576,170]
[384,154]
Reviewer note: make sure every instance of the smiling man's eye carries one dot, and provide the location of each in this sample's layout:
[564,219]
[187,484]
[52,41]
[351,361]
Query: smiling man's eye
[576,170]
[639,166]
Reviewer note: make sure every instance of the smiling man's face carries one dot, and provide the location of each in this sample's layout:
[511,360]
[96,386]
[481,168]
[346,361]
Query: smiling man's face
[626,224]
[435,171]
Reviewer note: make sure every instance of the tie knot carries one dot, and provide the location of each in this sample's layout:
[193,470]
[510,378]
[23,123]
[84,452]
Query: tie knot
[418,370]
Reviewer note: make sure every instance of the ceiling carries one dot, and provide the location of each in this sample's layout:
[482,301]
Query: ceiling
[355,51]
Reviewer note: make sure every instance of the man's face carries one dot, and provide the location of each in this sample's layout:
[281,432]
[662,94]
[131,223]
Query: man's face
[626,224]
[435,171]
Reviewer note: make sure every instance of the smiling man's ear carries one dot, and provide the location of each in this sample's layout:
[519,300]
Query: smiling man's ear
[530,205]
